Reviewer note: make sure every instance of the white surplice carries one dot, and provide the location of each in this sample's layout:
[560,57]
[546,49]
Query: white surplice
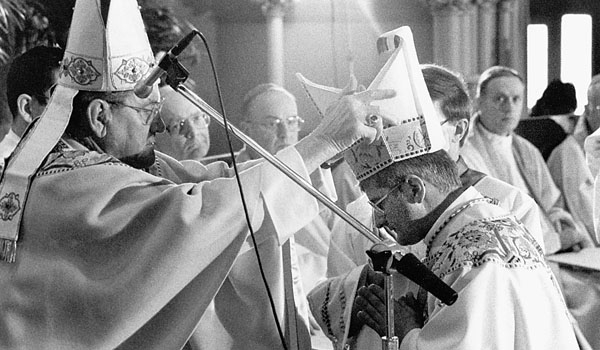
[508,297]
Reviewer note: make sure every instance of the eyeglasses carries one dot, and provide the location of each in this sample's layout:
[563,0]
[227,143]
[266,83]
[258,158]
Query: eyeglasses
[444,122]
[377,205]
[147,114]
[201,121]
[291,123]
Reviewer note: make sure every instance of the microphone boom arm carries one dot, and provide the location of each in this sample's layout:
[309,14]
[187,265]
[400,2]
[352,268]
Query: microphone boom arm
[206,108]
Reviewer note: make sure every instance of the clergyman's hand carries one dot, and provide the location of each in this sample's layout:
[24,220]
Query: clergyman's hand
[408,313]
[350,119]
[370,306]
[368,276]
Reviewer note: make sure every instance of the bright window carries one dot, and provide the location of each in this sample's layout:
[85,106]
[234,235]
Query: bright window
[537,62]
[576,54]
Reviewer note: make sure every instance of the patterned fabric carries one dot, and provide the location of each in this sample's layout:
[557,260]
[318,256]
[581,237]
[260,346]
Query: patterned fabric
[502,241]
[64,158]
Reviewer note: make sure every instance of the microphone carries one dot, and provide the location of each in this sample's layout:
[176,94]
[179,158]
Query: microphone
[143,88]
[411,267]
[385,258]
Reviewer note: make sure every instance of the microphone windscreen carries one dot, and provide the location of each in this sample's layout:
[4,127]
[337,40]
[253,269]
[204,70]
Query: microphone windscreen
[411,267]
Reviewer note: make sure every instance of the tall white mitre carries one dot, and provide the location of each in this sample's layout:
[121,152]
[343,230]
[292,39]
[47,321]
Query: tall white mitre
[107,50]
[415,129]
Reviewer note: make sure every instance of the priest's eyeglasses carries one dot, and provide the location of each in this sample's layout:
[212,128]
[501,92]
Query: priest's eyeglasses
[292,123]
[147,114]
[378,204]
[200,121]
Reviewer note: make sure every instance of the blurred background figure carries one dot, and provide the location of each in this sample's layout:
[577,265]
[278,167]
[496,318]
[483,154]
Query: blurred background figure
[186,135]
[269,117]
[25,24]
[28,83]
[554,118]
[552,131]
[590,119]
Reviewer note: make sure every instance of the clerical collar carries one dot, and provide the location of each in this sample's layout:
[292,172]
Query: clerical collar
[492,138]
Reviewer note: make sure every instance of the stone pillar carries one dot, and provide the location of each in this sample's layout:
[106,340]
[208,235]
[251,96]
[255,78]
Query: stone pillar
[470,52]
[274,11]
[486,27]
[453,34]
[506,33]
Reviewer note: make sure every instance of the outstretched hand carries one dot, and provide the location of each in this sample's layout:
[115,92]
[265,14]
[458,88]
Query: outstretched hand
[346,121]
[351,118]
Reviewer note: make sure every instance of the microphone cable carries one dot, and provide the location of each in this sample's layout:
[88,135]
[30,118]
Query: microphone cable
[237,176]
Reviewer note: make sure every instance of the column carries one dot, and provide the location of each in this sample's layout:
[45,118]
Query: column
[486,27]
[470,53]
[450,35]
[506,33]
[274,11]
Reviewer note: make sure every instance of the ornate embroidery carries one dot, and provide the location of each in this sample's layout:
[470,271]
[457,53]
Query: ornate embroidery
[343,304]
[9,206]
[499,240]
[80,70]
[64,158]
[132,70]
[325,312]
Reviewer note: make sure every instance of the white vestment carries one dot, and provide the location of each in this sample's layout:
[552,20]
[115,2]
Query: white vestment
[114,257]
[507,296]
[240,316]
[569,170]
[516,161]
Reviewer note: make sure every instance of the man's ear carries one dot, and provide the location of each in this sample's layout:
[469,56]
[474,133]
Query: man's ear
[413,189]
[99,115]
[461,129]
[24,107]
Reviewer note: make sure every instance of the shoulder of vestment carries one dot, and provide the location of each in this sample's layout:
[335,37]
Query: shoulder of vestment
[502,241]
[63,158]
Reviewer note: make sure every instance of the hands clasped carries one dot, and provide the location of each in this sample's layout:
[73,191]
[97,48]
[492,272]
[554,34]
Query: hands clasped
[370,304]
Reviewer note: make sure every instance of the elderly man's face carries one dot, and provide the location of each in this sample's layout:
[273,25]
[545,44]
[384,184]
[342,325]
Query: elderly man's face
[133,125]
[273,121]
[502,104]
[187,128]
